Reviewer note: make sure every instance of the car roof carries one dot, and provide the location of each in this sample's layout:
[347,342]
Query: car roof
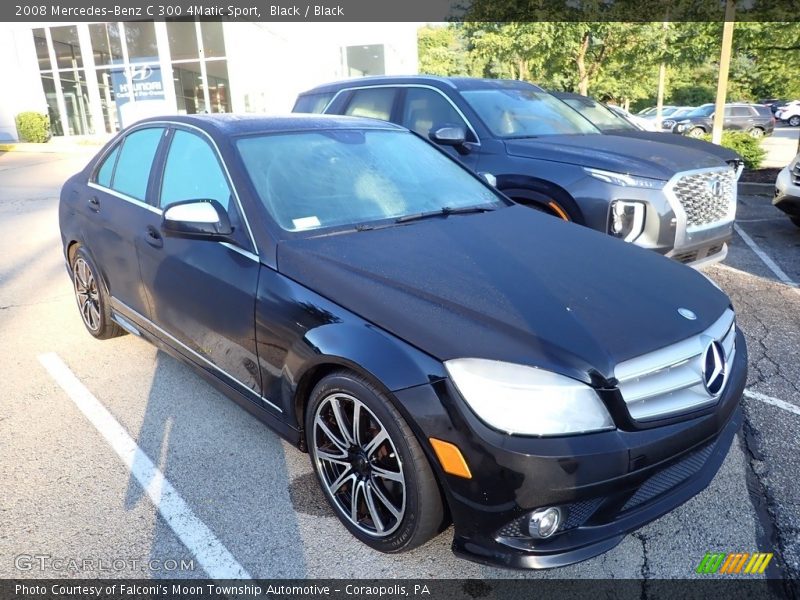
[454,83]
[242,124]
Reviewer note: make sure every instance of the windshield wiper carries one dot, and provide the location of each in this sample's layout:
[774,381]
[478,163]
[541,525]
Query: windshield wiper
[444,211]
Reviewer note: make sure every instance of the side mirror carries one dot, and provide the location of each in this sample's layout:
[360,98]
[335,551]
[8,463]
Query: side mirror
[449,136]
[197,219]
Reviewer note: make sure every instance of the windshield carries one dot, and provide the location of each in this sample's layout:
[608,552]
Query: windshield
[603,118]
[335,178]
[520,113]
[701,111]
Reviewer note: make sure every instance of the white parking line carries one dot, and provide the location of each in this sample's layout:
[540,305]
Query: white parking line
[773,401]
[780,274]
[212,555]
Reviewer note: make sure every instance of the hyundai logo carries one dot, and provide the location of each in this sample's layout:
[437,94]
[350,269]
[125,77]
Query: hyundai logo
[141,73]
[715,187]
[715,371]
[687,314]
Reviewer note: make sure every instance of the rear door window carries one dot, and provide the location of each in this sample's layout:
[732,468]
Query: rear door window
[106,171]
[375,103]
[135,161]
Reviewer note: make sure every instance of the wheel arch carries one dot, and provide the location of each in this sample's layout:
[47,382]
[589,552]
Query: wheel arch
[546,195]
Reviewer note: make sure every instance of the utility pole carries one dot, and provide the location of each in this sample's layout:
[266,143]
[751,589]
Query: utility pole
[662,76]
[724,68]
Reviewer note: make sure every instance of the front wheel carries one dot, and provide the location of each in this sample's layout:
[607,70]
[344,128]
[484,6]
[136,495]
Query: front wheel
[794,121]
[756,132]
[696,132]
[370,465]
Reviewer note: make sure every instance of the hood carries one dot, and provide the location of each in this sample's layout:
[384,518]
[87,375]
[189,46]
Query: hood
[623,154]
[671,139]
[512,285]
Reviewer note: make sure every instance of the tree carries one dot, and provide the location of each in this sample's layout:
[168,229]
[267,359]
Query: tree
[442,51]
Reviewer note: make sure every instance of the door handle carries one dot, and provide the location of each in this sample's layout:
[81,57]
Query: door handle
[94,204]
[153,237]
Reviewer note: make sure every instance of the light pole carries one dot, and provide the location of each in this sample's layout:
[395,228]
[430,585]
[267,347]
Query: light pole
[724,68]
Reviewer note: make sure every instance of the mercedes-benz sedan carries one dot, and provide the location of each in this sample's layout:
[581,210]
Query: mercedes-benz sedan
[442,353]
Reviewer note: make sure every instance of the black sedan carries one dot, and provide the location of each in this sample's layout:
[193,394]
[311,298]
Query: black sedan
[441,353]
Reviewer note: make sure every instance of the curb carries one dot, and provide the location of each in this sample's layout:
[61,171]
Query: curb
[756,189]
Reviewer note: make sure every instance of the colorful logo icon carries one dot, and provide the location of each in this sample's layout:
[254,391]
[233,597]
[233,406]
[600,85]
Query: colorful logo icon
[734,562]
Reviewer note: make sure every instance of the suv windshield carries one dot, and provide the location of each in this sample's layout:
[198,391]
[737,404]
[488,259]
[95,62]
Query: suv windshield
[521,113]
[701,111]
[344,177]
[603,118]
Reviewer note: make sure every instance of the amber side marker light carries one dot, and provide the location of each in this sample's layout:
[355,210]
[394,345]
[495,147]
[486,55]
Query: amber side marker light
[450,458]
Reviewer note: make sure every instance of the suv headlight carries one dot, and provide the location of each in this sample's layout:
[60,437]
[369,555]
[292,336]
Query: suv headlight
[625,180]
[626,219]
[527,401]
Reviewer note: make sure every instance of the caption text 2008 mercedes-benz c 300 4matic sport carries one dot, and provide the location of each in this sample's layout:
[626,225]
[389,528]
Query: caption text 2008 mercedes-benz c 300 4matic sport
[442,353]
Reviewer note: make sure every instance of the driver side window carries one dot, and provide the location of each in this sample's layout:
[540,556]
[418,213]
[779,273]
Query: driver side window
[426,110]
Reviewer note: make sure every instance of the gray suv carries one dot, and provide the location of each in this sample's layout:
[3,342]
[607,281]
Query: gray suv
[675,200]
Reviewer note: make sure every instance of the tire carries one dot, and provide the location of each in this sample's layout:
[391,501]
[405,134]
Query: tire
[92,299]
[795,220]
[385,466]
[756,132]
[696,132]
[794,120]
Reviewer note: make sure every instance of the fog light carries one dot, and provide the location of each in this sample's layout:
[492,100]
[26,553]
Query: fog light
[544,522]
[626,220]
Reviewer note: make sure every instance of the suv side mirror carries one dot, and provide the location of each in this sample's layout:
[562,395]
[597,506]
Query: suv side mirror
[197,219]
[449,136]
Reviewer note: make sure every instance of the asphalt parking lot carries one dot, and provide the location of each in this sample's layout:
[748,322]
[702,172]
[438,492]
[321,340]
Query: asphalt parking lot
[65,493]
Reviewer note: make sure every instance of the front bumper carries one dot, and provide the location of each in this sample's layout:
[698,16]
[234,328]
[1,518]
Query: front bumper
[607,484]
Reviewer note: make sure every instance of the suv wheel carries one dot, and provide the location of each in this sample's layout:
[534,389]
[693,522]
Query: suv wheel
[696,132]
[794,121]
[370,465]
[756,132]
[92,299]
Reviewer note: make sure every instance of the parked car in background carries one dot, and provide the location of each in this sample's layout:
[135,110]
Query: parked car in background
[666,112]
[774,103]
[787,190]
[675,200]
[754,119]
[607,120]
[443,354]
[789,113]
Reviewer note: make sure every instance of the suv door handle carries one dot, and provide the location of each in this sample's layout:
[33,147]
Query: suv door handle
[94,204]
[153,237]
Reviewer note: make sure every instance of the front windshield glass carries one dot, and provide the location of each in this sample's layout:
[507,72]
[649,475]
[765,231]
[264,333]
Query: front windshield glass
[344,177]
[701,111]
[603,118]
[520,113]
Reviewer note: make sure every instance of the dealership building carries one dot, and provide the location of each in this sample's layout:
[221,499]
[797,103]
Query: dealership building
[94,78]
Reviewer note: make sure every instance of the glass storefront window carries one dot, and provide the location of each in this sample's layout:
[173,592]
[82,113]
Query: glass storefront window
[365,60]
[213,40]
[105,84]
[141,39]
[106,43]
[188,82]
[40,41]
[52,104]
[76,101]
[67,47]
[182,40]
[219,95]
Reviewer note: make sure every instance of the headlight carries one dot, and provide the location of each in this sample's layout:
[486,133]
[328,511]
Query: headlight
[625,180]
[626,220]
[668,124]
[527,401]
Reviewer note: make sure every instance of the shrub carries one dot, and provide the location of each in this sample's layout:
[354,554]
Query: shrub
[33,127]
[747,147]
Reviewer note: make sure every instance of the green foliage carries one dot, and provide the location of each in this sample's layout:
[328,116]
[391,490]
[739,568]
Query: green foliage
[614,59]
[745,146]
[692,95]
[33,127]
